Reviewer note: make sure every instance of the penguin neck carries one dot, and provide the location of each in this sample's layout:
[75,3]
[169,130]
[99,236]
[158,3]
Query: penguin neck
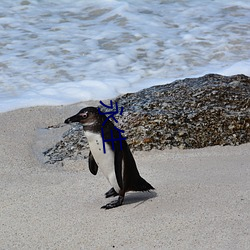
[97,125]
[94,127]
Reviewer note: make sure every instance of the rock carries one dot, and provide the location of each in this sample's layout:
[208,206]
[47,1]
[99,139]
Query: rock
[190,113]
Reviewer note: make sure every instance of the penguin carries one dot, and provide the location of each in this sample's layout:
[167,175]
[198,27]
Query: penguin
[117,163]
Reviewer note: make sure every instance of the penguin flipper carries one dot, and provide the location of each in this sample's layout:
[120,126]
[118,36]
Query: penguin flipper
[93,167]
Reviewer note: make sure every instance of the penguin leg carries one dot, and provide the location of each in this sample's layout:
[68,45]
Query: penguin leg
[111,193]
[115,203]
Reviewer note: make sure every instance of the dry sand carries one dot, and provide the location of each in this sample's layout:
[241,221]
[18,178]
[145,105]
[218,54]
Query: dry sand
[201,201]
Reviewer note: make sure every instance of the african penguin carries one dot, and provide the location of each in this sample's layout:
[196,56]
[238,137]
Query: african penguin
[117,165]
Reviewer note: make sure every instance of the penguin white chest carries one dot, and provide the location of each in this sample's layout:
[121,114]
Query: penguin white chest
[106,162]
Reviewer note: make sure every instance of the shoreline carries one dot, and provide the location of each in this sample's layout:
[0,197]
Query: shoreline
[201,198]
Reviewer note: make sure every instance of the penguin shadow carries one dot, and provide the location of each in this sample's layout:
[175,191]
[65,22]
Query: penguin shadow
[137,198]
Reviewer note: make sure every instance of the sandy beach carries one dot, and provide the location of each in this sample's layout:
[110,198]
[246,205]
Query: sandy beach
[201,198]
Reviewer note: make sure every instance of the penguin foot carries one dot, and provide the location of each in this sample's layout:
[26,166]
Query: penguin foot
[113,204]
[111,193]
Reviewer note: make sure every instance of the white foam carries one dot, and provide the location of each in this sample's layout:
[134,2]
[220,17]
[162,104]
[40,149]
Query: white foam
[63,52]
[242,67]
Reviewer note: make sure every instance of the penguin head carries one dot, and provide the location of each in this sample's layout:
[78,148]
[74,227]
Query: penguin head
[87,117]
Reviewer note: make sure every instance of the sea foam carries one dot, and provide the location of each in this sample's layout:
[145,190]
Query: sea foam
[63,52]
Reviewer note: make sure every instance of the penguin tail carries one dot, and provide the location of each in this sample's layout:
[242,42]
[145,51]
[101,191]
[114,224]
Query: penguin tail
[141,185]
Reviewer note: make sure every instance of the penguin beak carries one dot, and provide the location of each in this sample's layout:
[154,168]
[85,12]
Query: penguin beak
[74,118]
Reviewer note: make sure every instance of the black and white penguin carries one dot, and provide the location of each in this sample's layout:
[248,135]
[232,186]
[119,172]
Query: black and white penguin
[117,165]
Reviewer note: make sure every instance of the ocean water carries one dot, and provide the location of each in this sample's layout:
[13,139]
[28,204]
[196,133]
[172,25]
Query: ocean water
[61,52]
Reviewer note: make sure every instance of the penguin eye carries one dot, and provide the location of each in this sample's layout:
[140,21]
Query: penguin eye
[84,115]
